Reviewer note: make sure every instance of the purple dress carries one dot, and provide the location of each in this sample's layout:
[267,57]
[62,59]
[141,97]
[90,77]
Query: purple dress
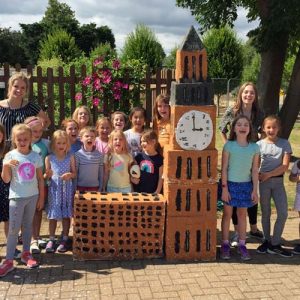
[60,194]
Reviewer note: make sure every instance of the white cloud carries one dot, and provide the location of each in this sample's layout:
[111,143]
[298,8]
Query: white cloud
[170,23]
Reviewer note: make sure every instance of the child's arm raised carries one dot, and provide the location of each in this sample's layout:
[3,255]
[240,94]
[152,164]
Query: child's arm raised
[48,172]
[225,193]
[40,179]
[6,170]
[255,166]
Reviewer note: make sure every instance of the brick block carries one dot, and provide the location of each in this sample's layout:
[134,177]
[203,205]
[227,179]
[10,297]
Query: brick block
[178,110]
[197,200]
[187,167]
[118,226]
[191,239]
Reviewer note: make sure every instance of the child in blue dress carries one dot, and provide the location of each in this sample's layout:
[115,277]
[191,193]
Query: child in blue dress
[239,182]
[60,170]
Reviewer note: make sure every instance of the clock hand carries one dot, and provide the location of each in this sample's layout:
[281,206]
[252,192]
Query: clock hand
[198,129]
[193,117]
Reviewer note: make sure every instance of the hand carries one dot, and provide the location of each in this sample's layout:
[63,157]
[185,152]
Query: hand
[40,204]
[134,180]
[48,173]
[225,195]
[254,197]
[263,177]
[66,176]
[11,163]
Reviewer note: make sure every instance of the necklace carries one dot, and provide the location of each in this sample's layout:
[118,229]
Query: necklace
[7,101]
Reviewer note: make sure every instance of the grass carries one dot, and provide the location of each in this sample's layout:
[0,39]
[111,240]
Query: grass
[294,140]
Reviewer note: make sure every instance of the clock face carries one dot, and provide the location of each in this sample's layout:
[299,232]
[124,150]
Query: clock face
[194,130]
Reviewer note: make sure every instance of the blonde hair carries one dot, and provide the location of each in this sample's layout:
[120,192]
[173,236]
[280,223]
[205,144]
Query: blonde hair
[17,129]
[65,123]
[17,76]
[57,135]
[75,114]
[33,121]
[112,135]
[102,120]
[87,129]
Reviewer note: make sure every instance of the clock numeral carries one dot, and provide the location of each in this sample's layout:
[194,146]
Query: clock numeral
[181,131]
[181,125]
[187,118]
[206,135]
[184,139]
[207,121]
[195,146]
[203,116]
[186,144]
[207,128]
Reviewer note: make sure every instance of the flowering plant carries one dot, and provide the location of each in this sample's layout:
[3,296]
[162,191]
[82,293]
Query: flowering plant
[110,86]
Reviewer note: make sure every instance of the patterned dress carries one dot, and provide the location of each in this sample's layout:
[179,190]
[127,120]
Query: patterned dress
[61,193]
[4,201]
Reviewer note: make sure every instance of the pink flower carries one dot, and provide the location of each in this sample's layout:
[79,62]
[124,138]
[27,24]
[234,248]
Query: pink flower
[107,79]
[86,81]
[116,64]
[78,96]
[98,61]
[96,101]
[125,86]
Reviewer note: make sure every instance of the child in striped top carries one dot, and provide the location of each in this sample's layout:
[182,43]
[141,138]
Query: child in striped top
[89,160]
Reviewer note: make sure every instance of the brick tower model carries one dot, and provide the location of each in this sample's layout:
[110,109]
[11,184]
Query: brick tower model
[190,160]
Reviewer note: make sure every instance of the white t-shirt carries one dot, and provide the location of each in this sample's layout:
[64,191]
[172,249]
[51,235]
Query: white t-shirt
[23,180]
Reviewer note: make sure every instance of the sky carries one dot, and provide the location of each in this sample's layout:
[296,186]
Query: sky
[169,23]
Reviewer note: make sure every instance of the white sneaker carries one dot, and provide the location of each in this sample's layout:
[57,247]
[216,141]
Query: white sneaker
[34,247]
[234,242]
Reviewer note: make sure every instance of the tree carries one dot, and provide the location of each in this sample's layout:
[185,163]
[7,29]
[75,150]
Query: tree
[32,34]
[59,44]
[143,44]
[225,56]
[90,36]
[252,62]
[11,49]
[170,60]
[60,15]
[279,23]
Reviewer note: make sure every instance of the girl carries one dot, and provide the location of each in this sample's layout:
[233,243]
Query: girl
[60,169]
[239,182]
[71,127]
[161,119]
[247,105]
[117,164]
[4,187]
[103,127]
[22,167]
[275,155]
[137,118]
[295,177]
[118,120]
[151,165]
[16,108]
[41,146]
[82,115]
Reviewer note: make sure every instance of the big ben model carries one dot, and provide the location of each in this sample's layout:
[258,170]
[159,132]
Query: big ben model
[190,160]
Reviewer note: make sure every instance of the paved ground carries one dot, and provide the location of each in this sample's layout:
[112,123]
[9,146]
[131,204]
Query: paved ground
[59,277]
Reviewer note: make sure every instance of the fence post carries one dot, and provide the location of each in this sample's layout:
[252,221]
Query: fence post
[148,97]
[61,96]
[50,97]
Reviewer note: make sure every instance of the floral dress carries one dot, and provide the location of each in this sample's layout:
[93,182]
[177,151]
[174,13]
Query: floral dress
[61,193]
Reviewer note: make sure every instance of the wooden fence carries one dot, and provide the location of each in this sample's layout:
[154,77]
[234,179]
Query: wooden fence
[58,110]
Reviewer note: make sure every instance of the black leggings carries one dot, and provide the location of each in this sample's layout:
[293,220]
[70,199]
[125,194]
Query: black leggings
[252,214]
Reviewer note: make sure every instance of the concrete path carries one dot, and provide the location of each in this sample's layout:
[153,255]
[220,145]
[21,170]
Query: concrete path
[59,277]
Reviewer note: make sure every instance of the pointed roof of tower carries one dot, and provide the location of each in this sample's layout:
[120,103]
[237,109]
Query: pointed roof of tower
[191,41]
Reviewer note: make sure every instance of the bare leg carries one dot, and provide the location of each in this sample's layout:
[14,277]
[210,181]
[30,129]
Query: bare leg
[226,222]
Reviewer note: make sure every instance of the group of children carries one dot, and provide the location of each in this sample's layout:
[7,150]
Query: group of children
[81,157]
[40,173]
